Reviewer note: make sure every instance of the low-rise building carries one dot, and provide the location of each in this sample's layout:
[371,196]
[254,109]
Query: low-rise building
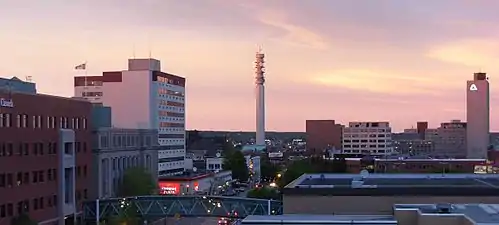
[367,138]
[194,183]
[119,149]
[412,165]
[403,214]
[375,194]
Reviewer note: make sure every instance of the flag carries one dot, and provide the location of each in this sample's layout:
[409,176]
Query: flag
[81,67]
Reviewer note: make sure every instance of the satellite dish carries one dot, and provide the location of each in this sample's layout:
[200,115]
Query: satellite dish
[364,173]
[194,169]
[218,154]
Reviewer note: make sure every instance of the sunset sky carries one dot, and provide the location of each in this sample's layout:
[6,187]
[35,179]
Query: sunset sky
[349,60]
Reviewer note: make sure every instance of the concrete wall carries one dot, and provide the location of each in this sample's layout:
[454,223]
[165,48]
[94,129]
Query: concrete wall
[373,205]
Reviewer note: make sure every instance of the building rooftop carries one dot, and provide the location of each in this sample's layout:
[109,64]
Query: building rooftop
[319,219]
[397,184]
[188,176]
[478,214]
[475,213]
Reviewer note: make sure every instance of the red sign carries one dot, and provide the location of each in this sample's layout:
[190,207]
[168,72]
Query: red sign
[166,188]
[196,186]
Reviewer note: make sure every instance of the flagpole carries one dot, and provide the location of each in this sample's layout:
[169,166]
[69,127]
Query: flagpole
[86,82]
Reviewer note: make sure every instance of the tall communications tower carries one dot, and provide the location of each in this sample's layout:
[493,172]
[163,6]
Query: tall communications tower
[260,97]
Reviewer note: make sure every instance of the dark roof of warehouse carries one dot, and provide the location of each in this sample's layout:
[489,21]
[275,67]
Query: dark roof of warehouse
[396,183]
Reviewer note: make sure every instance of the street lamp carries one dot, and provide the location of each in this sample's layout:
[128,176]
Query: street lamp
[279,175]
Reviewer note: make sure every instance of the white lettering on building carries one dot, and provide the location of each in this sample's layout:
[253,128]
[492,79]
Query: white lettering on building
[6,103]
[473,87]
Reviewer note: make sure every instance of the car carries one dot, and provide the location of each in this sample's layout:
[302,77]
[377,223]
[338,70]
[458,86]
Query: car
[224,221]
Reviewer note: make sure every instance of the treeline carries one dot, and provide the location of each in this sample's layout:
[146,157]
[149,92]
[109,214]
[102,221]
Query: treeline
[312,165]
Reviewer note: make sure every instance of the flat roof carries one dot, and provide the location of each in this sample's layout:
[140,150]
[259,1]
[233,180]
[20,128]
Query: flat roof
[186,176]
[384,184]
[477,213]
[319,219]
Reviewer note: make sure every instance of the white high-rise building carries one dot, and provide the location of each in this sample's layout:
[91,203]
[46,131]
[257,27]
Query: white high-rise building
[146,98]
[367,138]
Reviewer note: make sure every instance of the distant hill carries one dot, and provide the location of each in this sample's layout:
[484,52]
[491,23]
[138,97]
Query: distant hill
[244,135]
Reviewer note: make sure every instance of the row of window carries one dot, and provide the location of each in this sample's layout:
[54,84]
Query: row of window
[170,103]
[349,135]
[37,121]
[117,140]
[91,94]
[164,113]
[365,146]
[7,210]
[35,149]
[166,124]
[34,177]
[365,141]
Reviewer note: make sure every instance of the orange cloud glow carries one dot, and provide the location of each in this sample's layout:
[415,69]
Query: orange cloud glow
[374,81]
[474,53]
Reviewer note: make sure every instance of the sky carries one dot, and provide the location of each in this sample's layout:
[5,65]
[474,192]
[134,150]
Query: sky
[400,61]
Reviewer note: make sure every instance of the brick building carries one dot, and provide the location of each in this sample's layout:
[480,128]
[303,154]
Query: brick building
[323,134]
[44,151]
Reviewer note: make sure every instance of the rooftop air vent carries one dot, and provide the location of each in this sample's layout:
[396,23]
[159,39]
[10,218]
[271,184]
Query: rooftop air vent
[444,207]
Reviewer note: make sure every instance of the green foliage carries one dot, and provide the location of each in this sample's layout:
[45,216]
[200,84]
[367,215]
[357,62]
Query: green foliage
[268,170]
[22,219]
[264,193]
[137,181]
[312,165]
[236,163]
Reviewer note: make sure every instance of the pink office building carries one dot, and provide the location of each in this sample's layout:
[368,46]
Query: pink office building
[477,116]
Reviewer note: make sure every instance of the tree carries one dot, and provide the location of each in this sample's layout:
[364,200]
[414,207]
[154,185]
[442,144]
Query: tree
[137,181]
[264,193]
[312,165]
[340,165]
[268,170]
[236,163]
[22,219]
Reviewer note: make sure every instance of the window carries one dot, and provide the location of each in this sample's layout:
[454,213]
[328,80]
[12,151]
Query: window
[49,175]
[85,171]
[3,179]
[26,149]
[77,123]
[19,180]
[35,204]
[3,211]
[41,148]
[41,203]
[85,194]
[54,200]
[24,120]
[10,180]
[35,177]
[41,176]
[26,177]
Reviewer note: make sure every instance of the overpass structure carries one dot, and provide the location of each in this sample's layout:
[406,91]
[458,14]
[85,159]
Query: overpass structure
[155,207]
